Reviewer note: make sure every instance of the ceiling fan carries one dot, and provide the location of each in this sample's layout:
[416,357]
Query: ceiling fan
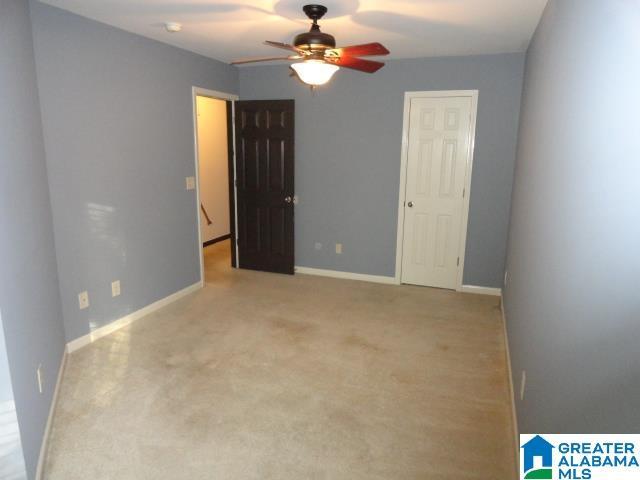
[319,55]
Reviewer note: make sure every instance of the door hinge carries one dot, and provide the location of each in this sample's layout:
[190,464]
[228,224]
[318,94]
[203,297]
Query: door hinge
[238,241]
[458,261]
[235,182]
[464,192]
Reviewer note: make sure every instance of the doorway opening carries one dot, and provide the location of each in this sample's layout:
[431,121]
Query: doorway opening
[435,181]
[257,213]
[213,170]
[214,136]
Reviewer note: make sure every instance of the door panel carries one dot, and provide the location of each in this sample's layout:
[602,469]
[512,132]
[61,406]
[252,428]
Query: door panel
[439,135]
[265,184]
[232,196]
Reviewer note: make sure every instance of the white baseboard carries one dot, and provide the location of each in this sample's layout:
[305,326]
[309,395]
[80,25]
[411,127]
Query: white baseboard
[387,280]
[47,429]
[346,275]
[80,342]
[496,292]
[514,417]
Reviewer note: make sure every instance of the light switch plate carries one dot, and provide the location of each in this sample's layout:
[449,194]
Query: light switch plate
[318,246]
[115,288]
[191,183]
[83,300]
[339,248]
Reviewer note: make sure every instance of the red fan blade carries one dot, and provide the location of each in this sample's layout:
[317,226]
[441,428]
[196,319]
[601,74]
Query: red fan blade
[264,59]
[356,63]
[365,50]
[286,47]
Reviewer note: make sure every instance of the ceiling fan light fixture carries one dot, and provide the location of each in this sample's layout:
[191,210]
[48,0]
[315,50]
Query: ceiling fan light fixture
[315,72]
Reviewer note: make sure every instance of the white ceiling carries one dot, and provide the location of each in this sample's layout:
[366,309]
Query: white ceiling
[228,30]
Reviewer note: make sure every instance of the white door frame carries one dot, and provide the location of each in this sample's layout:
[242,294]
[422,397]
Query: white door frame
[205,92]
[404,160]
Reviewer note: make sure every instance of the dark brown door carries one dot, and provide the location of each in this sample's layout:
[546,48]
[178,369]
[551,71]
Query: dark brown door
[264,171]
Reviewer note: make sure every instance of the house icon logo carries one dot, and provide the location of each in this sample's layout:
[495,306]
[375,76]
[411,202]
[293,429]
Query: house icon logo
[537,448]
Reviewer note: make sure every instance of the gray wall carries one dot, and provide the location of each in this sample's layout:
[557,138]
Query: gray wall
[348,141]
[29,296]
[12,465]
[572,300]
[118,129]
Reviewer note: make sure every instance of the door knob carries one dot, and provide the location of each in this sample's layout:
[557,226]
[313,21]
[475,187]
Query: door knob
[288,199]
[410,204]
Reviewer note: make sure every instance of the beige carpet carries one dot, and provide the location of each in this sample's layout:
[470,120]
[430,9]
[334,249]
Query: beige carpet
[264,376]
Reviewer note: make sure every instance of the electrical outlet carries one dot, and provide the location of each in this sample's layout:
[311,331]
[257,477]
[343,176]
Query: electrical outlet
[39,377]
[318,246]
[115,288]
[191,183]
[83,300]
[523,383]
[339,248]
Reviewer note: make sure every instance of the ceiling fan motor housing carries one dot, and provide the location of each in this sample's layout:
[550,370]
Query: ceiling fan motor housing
[314,39]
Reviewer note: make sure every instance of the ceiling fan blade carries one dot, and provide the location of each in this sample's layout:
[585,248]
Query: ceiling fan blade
[264,59]
[286,46]
[363,50]
[367,66]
